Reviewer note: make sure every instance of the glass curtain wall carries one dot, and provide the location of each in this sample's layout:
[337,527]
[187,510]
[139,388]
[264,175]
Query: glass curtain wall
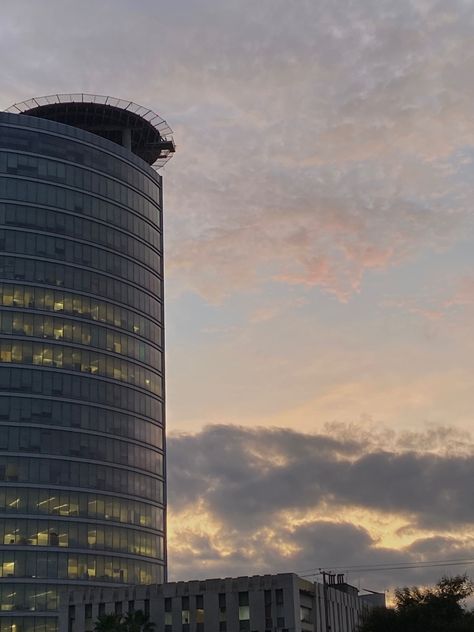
[82,492]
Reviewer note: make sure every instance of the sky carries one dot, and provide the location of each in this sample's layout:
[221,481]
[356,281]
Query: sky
[319,266]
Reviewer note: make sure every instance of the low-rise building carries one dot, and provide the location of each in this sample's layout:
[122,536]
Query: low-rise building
[261,603]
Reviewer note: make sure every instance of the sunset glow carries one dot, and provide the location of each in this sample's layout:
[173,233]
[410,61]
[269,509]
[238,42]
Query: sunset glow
[319,267]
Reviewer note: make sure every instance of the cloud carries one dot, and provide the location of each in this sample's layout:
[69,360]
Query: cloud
[367,175]
[246,475]
[275,499]
[463,294]
[315,145]
[446,304]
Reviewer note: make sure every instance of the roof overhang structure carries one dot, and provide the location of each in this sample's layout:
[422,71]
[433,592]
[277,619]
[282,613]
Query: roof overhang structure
[133,126]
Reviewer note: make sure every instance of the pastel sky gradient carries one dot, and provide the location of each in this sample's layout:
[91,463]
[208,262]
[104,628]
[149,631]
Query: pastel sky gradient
[319,260]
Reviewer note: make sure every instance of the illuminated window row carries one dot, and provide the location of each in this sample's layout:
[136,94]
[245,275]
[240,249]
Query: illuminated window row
[80,536]
[72,359]
[64,276]
[49,565]
[66,175]
[28,624]
[80,228]
[75,474]
[80,445]
[29,243]
[57,328]
[51,502]
[52,412]
[32,597]
[77,305]
[75,386]
[63,148]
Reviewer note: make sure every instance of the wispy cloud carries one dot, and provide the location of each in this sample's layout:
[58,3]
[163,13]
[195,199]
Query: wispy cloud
[315,145]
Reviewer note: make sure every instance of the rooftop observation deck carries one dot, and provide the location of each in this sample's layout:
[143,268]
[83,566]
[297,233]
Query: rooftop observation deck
[125,123]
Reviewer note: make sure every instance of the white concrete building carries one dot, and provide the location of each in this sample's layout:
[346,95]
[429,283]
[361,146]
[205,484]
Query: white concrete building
[261,603]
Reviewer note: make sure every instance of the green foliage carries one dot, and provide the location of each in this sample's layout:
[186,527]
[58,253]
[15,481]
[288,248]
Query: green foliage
[108,623]
[137,622]
[132,622]
[437,609]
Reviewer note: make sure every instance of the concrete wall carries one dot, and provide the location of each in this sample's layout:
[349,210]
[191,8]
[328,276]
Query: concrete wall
[261,603]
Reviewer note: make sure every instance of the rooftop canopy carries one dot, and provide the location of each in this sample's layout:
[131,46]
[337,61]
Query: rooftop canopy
[140,130]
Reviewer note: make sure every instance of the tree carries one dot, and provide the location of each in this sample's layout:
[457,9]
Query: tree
[109,623]
[135,621]
[437,609]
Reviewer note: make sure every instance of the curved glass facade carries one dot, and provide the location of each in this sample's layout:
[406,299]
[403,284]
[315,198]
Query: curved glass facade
[82,469]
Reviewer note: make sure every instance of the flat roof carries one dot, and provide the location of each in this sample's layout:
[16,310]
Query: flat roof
[125,123]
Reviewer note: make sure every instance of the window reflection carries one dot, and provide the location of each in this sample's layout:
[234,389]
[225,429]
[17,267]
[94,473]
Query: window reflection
[114,395]
[34,217]
[126,168]
[80,474]
[84,416]
[32,597]
[74,179]
[82,445]
[20,242]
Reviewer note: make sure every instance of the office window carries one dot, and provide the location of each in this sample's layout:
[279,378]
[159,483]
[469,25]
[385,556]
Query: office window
[306,614]
[222,607]
[199,613]
[244,611]
[243,598]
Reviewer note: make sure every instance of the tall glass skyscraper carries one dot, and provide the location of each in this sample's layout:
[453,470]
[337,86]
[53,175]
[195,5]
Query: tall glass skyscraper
[82,445]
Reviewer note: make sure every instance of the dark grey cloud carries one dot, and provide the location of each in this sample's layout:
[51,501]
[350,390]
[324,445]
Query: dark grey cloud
[246,484]
[337,546]
[327,544]
[245,476]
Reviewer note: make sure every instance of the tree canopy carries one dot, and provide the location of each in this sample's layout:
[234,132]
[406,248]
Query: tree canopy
[435,609]
[132,622]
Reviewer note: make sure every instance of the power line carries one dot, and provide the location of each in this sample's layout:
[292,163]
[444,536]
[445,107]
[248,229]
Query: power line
[415,564]
[390,566]
[389,563]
